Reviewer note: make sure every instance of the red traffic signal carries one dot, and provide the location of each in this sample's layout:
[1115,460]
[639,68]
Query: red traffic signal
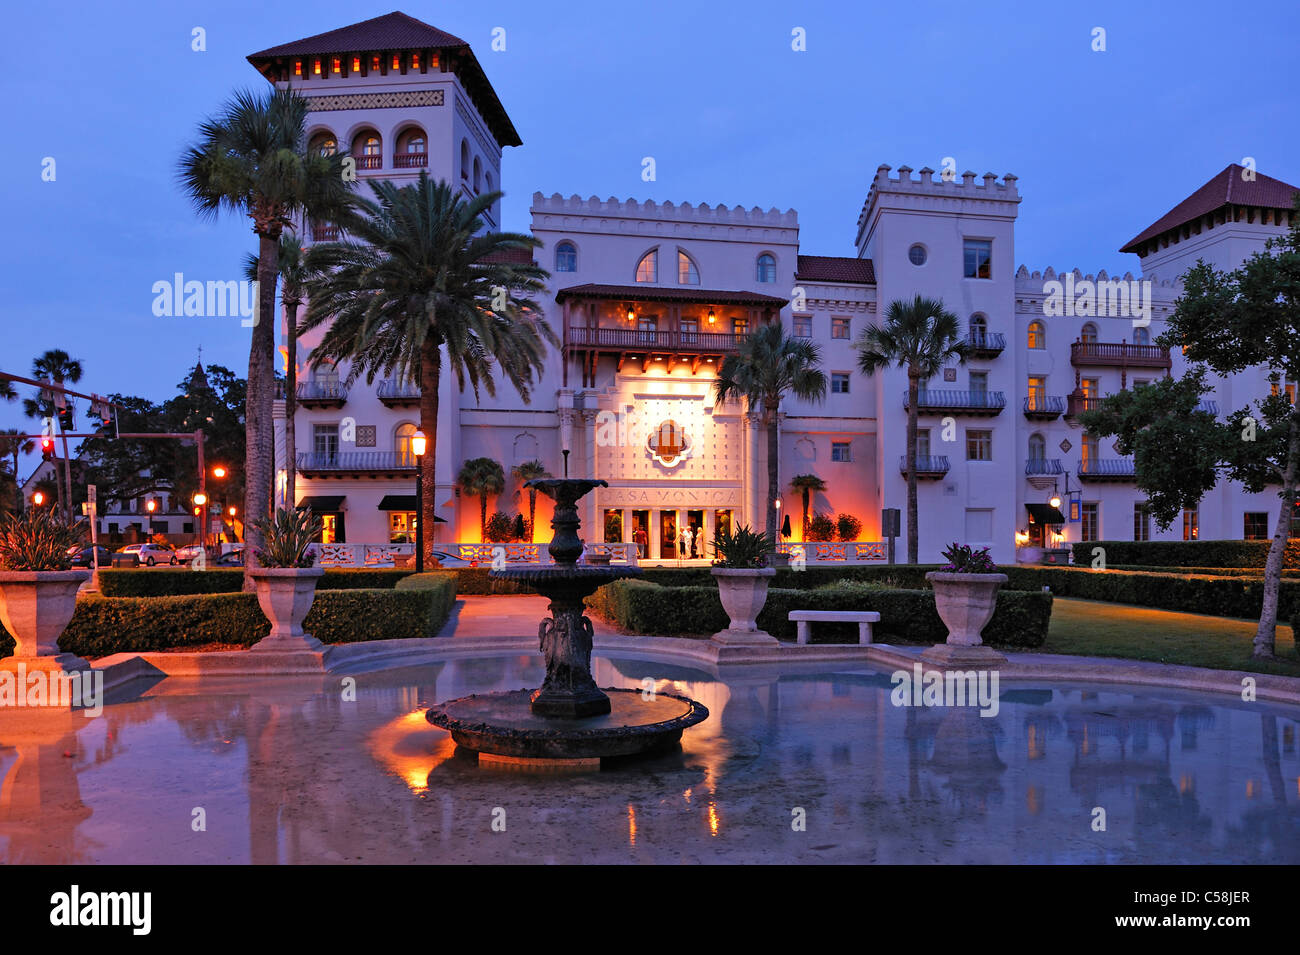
[47,448]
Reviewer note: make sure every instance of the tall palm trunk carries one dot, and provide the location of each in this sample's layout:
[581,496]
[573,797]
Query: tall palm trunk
[806,495]
[532,512]
[773,450]
[913,414]
[430,370]
[259,406]
[290,408]
[1265,636]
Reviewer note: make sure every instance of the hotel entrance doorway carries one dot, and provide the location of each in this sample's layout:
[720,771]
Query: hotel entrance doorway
[667,535]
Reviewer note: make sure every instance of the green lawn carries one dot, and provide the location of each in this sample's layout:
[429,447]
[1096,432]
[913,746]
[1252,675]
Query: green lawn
[1098,629]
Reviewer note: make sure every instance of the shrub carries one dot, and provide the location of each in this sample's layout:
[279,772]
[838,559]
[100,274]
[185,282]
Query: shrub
[821,528]
[287,537]
[106,625]
[744,549]
[1020,620]
[499,528]
[849,527]
[964,559]
[36,540]
[1226,553]
[220,580]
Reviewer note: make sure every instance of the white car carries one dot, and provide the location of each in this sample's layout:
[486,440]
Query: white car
[150,554]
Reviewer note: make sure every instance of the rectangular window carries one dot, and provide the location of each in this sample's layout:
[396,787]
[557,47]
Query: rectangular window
[1090,525]
[839,383]
[922,442]
[839,328]
[401,527]
[979,383]
[1192,524]
[1091,387]
[979,525]
[803,326]
[1141,522]
[978,258]
[1088,452]
[325,439]
[1256,526]
[1140,383]
[979,445]
[842,451]
[740,326]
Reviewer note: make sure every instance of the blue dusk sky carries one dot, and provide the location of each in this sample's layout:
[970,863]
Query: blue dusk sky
[1103,142]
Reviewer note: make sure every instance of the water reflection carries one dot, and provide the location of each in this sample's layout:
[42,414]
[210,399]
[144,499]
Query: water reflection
[305,771]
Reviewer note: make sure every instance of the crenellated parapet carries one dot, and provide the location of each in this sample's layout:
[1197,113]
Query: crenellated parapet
[721,214]
[947,192]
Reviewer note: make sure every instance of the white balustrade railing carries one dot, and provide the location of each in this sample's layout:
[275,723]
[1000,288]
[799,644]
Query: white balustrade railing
[835,552]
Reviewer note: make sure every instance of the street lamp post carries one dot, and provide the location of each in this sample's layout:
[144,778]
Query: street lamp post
[201,512]
[149,507]
[419,444]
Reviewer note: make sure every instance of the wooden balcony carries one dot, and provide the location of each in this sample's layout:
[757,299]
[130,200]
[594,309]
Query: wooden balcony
[1077,403]
[1044,407]
[1107,470]
[398,394]
[355,463]
[929,467]
[646,346]
[982,404]
[986,345]
[322,394]
[1119,355]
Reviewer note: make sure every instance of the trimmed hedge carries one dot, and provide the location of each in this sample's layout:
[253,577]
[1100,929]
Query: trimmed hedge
[1205,571]
[106,625]
[230,580]
[1020,620]
[1226,553]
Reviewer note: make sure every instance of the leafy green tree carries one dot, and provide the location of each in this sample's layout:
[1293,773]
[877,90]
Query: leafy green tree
[123,469]
[523,473]
[482,477]
[1227,322]
[806,485]
[767,366]
[921,336]
[425,283]
[251,159]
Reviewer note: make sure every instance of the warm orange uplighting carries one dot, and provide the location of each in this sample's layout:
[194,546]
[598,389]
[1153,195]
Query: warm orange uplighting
[397,62]
[356,64]
[419,444]
[200,500]
[415,61]
[150,506]
[218,472]
[38,498]
[338,65]
[297,67]
[315,67]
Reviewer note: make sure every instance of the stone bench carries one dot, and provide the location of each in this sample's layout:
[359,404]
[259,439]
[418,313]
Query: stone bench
[804,619]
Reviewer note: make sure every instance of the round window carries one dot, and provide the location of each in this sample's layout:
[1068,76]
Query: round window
[916,255]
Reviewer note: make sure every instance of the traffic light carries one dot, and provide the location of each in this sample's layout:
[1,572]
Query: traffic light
[47,448]
[67,419]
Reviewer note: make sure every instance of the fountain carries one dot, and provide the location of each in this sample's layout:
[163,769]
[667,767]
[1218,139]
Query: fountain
[568,717]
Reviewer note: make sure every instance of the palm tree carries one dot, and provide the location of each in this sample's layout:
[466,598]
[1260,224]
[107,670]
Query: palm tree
[7,391]
[807,484]
[251,159]
[424,284]
[523,473]
[58,366]
[13,445]
[767,366]
[291,264]
[921,336]
[481,476]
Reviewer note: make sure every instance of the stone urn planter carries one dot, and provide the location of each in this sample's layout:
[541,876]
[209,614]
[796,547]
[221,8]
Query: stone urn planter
[743,592]
[36,606]
[285,595]
[965,603]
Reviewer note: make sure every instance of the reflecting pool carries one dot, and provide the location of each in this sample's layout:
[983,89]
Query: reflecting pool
[818,766]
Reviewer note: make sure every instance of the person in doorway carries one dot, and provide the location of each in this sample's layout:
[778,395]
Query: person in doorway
[642,540]
[688,546]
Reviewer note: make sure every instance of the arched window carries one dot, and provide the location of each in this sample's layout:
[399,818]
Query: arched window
[647,270]
[1089,333]
[324,144]
[412,150]
[1037,447]
[402,445]
[687,273]
[464,159]
[1037,335]
[566,257]
[979,328]
[478,176]
[1141,336]
[767,267]
[368,148]
[487,181]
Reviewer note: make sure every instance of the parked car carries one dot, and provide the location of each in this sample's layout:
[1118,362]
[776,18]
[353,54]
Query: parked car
[186,554]
[150,554]
[83,557]
[451,560]
[233,558]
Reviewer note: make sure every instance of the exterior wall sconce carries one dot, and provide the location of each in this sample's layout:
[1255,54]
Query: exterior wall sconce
[712,318]
[631,314]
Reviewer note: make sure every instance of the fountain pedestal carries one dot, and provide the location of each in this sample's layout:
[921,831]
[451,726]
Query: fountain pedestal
[569,716]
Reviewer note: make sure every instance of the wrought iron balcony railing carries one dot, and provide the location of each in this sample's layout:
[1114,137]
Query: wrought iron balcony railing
[394,393]
[355,461]
[968,402]
[986,344]
[1107,469]
[927,465]
[1044,407]
[1039,466]
[322,392]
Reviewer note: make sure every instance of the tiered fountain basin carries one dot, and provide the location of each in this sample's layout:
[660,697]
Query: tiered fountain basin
[568,717]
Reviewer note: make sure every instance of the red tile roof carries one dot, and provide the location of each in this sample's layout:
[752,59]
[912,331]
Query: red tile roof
[397,31]
[392,31]
[835,268]
[652,293]
[1226,188]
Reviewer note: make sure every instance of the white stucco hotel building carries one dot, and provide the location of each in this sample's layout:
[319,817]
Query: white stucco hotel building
[649,297]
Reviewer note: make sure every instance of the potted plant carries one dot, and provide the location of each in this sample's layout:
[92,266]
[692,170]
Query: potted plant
[965,595]
[285,577]
[742,572]
[38,588]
